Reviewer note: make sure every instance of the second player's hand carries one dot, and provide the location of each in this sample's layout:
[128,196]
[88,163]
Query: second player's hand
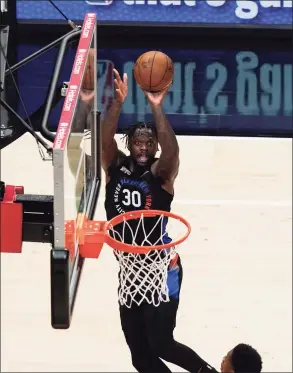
[121,87]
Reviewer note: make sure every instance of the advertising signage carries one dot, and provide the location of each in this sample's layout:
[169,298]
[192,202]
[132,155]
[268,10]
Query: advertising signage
[226,13]
[219,91]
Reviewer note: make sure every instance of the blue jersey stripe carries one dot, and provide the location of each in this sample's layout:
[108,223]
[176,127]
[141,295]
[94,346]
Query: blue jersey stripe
[166,238]
[173,282]
[173,273]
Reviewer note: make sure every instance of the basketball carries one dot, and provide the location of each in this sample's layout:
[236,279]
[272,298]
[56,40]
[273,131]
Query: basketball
[153,71]
[89,77]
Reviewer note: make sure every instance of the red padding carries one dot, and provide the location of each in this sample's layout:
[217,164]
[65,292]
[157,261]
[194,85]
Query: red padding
[11,191]
[10,227]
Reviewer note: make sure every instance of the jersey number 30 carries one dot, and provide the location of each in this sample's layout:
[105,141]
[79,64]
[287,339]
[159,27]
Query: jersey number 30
[131,198]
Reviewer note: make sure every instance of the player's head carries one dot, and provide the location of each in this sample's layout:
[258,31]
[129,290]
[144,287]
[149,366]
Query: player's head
[242,359]
[142,142]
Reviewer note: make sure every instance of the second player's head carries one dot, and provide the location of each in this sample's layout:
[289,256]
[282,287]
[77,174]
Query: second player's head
[142,142]
[242,359]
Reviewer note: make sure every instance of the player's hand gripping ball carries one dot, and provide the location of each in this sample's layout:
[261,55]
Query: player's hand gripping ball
[153,71]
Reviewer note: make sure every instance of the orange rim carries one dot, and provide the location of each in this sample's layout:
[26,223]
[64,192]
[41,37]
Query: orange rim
[135,215]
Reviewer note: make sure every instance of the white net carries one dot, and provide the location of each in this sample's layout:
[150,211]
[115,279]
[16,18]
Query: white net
[143,276]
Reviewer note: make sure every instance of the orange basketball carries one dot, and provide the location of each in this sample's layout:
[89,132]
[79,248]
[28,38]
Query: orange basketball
[153,71]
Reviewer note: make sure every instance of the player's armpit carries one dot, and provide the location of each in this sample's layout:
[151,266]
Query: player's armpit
[167,173]
[112,157]
[166,168]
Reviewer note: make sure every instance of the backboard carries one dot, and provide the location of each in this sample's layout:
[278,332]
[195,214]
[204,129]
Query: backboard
[77,172]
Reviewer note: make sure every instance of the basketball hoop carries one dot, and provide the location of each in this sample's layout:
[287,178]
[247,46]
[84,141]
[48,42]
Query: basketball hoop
[142,247]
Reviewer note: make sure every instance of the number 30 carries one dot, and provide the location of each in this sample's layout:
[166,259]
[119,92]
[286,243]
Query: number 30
[131,198]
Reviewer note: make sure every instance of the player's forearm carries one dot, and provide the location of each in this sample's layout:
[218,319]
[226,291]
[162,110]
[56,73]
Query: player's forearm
[166,135]
[110,123]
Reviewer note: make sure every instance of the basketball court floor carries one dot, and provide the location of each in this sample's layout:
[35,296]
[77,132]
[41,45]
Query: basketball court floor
[237,285]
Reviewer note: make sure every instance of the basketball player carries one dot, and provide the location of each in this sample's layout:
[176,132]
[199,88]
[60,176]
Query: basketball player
[242,359]
[148,329]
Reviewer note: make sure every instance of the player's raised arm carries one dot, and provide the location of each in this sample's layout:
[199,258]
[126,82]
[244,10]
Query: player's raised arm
[168,163]
[109,125]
